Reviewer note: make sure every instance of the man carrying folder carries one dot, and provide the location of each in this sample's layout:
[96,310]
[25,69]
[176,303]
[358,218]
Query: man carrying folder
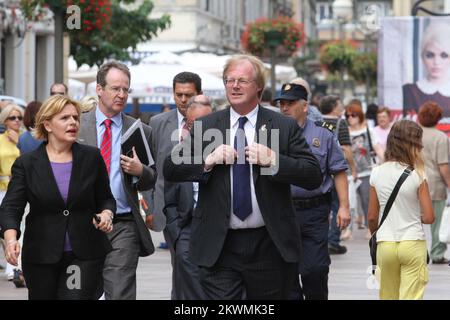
[103,127]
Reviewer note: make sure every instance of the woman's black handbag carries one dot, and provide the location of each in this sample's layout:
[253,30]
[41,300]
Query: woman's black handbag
[387,208]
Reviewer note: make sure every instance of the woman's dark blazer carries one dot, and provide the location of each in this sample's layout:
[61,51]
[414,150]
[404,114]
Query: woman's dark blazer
[49,217]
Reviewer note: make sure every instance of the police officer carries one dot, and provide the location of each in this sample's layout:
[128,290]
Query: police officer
[313,206]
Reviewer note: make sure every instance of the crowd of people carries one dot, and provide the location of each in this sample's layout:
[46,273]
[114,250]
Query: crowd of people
[252,199]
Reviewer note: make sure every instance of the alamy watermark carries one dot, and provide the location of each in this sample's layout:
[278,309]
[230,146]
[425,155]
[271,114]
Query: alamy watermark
[74,279]
[74,19]
[194,151]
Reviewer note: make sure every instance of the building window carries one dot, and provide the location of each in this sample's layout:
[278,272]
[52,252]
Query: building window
[324,11]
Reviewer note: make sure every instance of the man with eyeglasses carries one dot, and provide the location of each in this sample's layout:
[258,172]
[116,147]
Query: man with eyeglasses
[58,88]
[167,132]
[312,207]
[244,236]
[103,127]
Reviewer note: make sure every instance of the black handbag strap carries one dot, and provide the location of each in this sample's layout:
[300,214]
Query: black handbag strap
[371,150]
[394,193]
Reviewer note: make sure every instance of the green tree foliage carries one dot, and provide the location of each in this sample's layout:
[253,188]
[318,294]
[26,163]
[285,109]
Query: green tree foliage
[364,66]
[337,56]
[109,27]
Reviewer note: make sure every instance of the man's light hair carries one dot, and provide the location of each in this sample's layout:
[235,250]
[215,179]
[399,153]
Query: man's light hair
[258,67]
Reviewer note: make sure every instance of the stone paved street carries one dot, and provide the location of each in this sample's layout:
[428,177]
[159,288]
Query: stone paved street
[347,275]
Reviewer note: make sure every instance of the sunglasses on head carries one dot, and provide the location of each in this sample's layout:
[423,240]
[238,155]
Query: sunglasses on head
[353,115]
[12,118]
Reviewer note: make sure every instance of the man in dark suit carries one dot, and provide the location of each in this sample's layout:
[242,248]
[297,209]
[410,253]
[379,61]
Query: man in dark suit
[244,235]
[180,200]
[127,175]
[167,128]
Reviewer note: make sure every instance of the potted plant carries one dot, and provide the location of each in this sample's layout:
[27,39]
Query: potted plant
[282,33]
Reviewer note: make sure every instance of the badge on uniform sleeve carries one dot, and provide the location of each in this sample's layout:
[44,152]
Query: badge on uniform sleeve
[316,142]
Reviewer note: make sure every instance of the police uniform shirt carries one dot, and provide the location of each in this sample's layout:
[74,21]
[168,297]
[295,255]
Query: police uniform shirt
[326,149]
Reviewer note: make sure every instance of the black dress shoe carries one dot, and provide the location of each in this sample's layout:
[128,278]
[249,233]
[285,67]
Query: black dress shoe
[440,261]
[337,249]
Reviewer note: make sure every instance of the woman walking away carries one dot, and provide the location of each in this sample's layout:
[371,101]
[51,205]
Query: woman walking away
[402,250]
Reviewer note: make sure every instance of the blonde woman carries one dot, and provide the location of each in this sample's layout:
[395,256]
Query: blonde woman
[88,103]
[402,249]
[435,85]
[11,117]
[61,234]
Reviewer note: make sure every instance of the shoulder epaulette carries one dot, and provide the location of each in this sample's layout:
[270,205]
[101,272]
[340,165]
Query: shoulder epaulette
[326,125]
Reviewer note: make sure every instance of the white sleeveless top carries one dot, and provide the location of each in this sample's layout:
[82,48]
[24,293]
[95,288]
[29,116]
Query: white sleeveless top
[404,219]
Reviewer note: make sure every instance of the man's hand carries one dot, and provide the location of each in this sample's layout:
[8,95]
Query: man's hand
[343,217]
[131,166]
[149,221]
[259,154]
[223,154]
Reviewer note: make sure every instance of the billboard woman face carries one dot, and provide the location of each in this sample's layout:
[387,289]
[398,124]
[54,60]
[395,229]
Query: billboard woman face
[437,62]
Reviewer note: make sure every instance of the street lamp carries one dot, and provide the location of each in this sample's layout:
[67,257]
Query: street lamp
[416,8]
[343,12]
[273,39]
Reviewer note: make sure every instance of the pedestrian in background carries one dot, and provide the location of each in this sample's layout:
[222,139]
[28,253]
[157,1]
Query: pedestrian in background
[180,200]
[381,131]
[401,245]
[61,232]
[435,154]
[312,207]
[332,110]
[167,132]
[27,142]
[11,118]
[365,149]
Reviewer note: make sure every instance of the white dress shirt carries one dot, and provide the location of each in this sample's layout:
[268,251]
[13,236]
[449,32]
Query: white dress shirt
[181,121]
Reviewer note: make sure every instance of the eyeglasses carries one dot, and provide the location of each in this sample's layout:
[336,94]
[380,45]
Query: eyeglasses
[240,81]
[13,118]
[55,93]
[117,90]
[352,115]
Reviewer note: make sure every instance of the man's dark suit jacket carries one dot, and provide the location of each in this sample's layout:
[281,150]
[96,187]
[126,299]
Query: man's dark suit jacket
[179,202]
[89,193]
[88,135]
[210,223]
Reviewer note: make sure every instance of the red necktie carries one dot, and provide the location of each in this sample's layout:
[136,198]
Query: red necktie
[184,130]
[105,148]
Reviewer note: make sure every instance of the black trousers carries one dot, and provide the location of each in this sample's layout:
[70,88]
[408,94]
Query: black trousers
[249,267]
[69,279]
[315,260]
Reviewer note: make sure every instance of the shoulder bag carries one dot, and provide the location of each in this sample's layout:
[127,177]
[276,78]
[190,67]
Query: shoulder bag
[387,208]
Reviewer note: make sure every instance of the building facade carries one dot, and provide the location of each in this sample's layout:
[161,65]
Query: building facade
[26,53]
[210,25]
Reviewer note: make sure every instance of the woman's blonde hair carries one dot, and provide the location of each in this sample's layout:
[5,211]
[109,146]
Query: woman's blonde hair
[51,107]
[436,33]
[7,111]
[87,103]
[404,145]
